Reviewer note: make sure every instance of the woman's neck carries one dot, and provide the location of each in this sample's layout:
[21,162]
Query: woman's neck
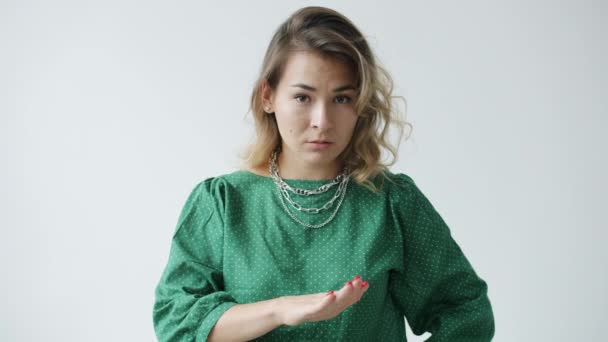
[293,168]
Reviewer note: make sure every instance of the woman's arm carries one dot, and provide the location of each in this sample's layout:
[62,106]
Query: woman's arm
[191,296]
[437,288]
[244,322]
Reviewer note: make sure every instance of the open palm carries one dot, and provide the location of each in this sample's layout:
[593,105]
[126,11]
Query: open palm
[294,310]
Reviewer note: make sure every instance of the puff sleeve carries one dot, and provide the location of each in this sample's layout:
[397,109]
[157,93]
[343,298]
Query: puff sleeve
[436,289]
[190,296]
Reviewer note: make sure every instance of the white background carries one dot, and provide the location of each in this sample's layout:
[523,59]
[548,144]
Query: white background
[111,112]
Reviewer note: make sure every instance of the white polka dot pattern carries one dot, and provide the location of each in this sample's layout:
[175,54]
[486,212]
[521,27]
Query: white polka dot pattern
[234,243]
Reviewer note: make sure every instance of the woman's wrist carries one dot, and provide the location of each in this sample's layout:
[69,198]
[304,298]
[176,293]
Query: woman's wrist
[276,306]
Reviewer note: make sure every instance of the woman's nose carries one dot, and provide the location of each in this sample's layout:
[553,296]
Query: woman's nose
[321,118]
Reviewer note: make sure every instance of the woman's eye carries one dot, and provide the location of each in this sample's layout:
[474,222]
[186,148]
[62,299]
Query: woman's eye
[346,98]
[300,96]
[340,99]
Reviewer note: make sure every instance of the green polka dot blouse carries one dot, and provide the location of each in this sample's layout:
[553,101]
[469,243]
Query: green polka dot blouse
[234,244]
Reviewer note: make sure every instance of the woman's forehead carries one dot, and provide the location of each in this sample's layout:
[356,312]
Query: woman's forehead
[312,70]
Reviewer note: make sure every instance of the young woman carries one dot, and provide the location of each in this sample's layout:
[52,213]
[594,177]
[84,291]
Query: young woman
[315,239]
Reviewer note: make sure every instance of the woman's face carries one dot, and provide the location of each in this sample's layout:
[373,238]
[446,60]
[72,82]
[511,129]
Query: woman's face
[314,100]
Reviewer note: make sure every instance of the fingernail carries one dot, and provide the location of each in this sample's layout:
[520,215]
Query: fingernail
[348,283]
[330,292]
[357,277]
[363,284]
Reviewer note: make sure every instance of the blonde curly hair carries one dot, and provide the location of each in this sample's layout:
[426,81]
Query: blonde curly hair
[326,31]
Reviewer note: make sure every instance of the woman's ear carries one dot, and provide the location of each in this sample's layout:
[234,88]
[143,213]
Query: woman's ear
[267,97]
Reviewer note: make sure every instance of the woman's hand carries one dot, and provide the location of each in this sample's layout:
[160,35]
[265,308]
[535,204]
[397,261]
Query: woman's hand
[294,310]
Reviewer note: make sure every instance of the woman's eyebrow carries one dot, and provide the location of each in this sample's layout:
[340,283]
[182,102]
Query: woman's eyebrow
[307,87]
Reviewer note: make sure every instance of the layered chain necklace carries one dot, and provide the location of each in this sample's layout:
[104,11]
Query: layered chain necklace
[341,180]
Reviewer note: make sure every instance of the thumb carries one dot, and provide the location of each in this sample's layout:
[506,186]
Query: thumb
[328,298]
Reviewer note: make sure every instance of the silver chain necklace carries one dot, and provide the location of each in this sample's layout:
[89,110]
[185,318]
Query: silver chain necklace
[284,189]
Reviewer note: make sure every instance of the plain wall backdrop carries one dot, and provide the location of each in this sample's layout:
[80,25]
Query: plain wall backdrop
[111,111]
